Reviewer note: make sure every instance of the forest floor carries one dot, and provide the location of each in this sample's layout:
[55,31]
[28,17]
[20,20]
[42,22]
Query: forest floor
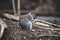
[14,32]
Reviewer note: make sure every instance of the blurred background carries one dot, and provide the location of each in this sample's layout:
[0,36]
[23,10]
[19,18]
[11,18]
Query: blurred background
[48,10]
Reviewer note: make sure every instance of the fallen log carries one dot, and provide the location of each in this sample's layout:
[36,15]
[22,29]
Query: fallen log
[9,16]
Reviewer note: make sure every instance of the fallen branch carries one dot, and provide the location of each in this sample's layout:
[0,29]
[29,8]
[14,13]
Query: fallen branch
[48,23]
[40,27]
[2,27]
[9,16]
[41,24]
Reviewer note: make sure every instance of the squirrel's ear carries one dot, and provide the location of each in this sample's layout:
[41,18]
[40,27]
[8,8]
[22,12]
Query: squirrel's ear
[29,13]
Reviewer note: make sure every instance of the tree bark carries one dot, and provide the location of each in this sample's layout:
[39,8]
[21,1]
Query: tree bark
[13,3]
[18,7]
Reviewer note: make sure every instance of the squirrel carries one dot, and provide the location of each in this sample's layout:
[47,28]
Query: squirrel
[26,21]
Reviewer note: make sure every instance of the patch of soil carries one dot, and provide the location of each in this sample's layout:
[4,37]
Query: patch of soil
[14,32]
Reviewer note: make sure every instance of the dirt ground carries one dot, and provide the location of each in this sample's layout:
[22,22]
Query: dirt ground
[14,32]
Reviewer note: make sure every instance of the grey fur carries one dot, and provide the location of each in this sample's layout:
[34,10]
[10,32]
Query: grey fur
[26,22]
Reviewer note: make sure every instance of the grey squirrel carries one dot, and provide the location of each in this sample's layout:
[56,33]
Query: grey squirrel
[26,21]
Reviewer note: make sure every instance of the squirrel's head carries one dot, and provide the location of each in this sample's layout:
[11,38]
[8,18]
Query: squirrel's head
[32,14]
